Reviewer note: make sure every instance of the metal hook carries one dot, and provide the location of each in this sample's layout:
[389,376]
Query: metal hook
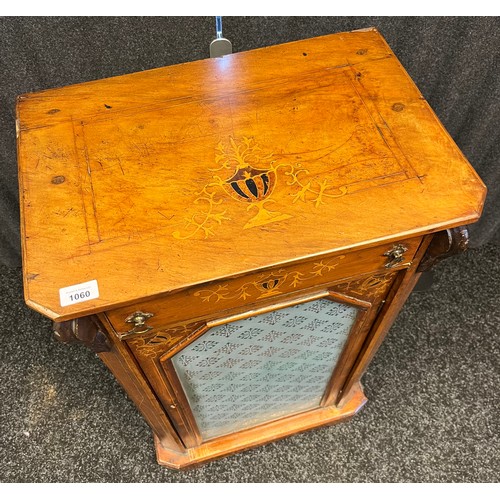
[220,46]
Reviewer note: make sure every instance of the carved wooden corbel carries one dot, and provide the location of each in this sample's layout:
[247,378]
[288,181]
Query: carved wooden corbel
[443,245]
[83,331]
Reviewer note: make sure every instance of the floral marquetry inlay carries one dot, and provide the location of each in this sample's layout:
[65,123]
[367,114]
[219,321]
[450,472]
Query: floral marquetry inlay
[268,284]
[155,344]
[247,174]
[371,287]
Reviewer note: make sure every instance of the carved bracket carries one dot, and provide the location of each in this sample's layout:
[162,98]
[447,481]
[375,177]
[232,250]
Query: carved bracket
[82,331]
[443,245]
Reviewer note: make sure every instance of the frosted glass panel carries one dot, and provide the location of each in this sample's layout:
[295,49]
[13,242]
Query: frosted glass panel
[264,367]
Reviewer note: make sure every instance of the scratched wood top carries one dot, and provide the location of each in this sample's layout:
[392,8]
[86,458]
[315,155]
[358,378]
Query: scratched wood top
[155,181]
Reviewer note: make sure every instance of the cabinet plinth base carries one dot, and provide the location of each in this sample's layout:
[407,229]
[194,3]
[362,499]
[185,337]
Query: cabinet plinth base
[226,445]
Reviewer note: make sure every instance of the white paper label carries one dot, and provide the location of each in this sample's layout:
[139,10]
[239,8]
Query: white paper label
[78,293]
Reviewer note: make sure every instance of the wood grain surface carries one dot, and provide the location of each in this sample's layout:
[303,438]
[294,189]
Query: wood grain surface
[158,181]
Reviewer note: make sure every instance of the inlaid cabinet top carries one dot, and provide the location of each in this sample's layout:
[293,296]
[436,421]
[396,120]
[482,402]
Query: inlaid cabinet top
[152,182]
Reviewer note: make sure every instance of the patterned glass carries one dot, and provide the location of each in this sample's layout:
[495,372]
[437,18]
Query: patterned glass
[261,368]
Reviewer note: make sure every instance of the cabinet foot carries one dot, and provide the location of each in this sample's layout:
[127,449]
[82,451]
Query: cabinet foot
[243,440]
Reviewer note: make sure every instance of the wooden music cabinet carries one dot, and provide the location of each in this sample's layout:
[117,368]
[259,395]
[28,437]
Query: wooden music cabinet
[235,236]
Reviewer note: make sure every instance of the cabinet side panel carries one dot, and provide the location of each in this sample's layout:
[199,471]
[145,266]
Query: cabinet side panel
[395,300]
[125,369]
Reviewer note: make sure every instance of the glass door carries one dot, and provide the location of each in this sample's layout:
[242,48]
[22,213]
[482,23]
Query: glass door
[244,371]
